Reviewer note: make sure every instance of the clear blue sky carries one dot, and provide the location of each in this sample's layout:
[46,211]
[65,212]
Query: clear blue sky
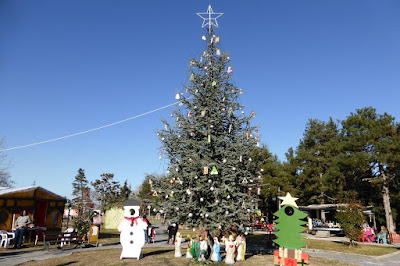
[69,66]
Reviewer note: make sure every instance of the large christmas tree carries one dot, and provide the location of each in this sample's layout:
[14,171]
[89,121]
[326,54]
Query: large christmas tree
[211,179]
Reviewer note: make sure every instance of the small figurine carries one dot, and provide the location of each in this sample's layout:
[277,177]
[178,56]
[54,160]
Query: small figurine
[241,247]
[203,249]
[230,250]
[189,248]
[178,241]
[216,255]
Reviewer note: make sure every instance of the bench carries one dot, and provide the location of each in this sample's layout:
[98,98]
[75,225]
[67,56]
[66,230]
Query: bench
[61,238]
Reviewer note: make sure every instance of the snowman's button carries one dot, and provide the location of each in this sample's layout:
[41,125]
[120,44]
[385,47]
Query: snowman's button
[131,241]
[131,233]
[131,225]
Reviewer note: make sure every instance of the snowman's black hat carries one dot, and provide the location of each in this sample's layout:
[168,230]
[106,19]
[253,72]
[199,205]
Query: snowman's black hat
[131,202]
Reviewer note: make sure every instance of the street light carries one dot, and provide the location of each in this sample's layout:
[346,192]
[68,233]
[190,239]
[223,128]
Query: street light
[69,210]
[149,207]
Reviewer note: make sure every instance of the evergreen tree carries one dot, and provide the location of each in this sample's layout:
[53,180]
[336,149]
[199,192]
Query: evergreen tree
[81,191]
[289,224]
[108,190]
[316,159]
[211,176]
[373,154]
[126,190]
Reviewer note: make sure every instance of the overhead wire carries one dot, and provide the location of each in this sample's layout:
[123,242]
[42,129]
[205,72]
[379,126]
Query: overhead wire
[90,130]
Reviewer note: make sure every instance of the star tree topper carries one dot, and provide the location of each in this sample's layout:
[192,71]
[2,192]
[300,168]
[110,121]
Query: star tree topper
[289,200]
[209,17]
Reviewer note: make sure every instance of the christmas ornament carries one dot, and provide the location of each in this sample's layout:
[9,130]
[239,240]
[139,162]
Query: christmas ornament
[190,214]
[155,193]
[201,199]
[233,168]
[212,188]
[190,114]
[209,180]
[229,70]
[227,212]
[241,158]
[214,171]
[205,170]
[257,144]
[244,181]
[240,91]
[230,128]
[218,52]
[192,77]
[216,39]
[177,97]
[191,63]
[243,205]
[201,58]
[256,131]
[209,139]
[211,125]
[203,113]
[228,197]
[206,215]
[213,83]
[203,38]
[249,192]
[249,160]
[262,169]
[224,160]
[242,112]
[188,191]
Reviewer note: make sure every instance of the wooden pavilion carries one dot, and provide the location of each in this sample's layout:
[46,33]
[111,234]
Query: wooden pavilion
[45,208]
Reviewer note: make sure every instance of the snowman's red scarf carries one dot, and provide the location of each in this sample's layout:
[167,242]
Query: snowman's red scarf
[132,219]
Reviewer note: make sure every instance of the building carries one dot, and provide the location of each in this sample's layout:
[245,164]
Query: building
[44,207]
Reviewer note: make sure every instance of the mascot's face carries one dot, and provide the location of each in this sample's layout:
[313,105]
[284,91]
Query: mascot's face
[131,211]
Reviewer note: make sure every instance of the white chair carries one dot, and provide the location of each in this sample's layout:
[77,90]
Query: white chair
[6,237]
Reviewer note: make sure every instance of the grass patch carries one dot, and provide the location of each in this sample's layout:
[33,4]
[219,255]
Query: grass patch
[156,257]
[370,250]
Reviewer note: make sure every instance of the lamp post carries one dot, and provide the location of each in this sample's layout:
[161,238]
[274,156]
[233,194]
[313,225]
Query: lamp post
[149,207]
[69,210]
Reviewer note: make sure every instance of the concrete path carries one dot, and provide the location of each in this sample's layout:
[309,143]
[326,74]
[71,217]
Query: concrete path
[23,256]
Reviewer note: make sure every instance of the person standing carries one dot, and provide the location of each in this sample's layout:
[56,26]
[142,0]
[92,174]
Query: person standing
[20,228]
[147,230]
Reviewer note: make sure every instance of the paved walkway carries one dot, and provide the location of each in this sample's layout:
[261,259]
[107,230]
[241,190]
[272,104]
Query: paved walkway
[19,257]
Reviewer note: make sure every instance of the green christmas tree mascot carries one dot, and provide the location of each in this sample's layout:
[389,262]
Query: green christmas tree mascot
[289,224]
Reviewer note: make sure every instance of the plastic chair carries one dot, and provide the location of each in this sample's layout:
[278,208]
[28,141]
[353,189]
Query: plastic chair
[6,237]
[382,237]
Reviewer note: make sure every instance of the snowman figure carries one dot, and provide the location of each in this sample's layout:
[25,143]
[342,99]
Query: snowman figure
[132,235]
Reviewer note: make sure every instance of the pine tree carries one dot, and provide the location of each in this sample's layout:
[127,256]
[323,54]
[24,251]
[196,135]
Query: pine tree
[289,224]
[211,176]
[81,191]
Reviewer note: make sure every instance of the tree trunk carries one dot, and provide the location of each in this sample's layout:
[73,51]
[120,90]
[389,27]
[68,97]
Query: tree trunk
[386,200]
[322,196]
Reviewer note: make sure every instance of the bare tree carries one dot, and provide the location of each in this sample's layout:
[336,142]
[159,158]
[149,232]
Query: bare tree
[5,177]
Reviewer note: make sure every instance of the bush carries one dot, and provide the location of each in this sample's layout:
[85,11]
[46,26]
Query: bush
[82,226]
[351,218]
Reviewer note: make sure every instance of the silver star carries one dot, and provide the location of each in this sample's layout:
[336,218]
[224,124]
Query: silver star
[209,17]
